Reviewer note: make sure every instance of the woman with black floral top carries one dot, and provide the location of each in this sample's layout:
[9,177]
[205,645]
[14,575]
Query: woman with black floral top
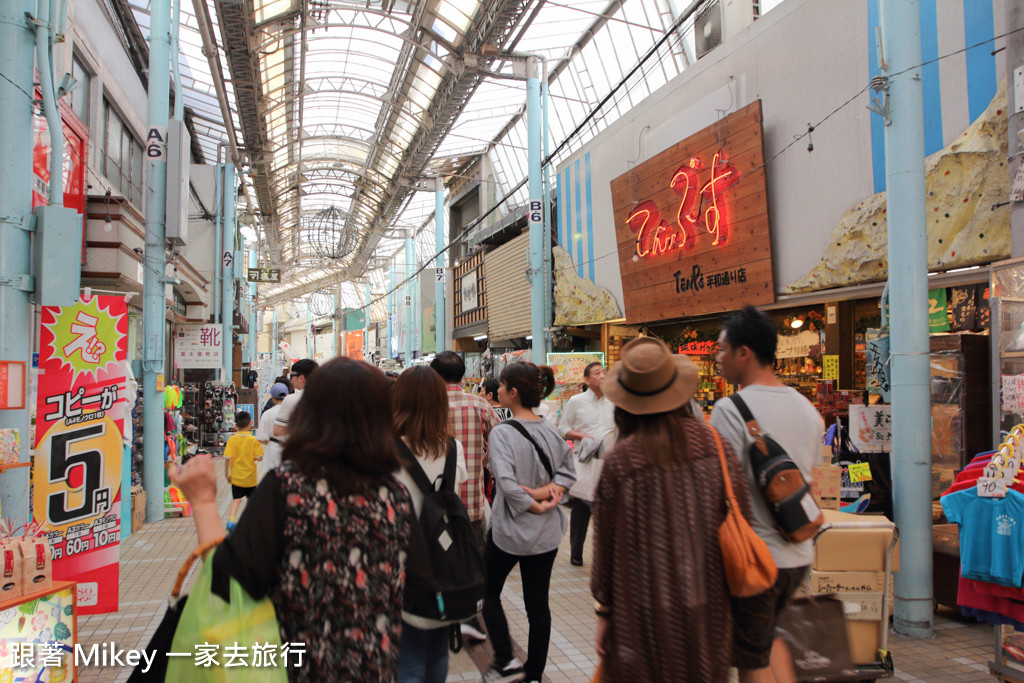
[325,535]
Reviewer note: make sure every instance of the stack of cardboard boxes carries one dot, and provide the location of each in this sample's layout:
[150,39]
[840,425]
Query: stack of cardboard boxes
[850,563]
[138,508]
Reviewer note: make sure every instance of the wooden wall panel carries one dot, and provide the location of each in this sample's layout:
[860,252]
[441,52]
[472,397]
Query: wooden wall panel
[700,277]
[478,314]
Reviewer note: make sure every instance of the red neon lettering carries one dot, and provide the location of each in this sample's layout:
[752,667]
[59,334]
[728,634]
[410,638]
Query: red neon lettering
[723,176]
[655,236]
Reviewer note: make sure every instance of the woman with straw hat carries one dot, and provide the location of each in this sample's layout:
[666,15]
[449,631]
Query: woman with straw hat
[658,581]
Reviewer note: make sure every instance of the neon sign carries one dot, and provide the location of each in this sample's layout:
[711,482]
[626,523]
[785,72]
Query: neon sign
[698,211]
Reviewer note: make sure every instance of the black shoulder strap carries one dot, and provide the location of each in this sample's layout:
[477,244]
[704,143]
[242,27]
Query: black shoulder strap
[450,462]
[540,453]
[415,471]
[752,427]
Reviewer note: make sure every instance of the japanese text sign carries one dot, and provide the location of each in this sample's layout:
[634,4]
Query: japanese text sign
[871,427]
[198,346]
[80,414]
[692,225]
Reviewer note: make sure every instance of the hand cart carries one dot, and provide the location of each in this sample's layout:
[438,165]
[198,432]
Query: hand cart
[883,666]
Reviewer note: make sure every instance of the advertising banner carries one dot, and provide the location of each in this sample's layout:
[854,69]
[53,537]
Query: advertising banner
[80,413]
[354,345]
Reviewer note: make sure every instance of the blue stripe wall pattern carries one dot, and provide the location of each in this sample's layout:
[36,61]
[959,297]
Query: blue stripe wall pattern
[575,215]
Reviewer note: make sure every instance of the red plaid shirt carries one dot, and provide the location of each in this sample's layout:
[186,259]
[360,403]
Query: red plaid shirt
[470,419]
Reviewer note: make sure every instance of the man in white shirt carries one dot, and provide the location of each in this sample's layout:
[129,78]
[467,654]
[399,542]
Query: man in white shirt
[746,355]
[301,370]
[588,415]
[265,432]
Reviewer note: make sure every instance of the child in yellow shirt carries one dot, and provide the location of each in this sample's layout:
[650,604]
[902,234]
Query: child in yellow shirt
[240,455]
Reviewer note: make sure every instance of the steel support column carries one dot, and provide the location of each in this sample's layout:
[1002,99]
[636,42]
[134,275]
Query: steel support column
[536,221]
[440,242]
[253,335]
[16,69]
[227,279]
[154,282]
[407,326]
[908,291]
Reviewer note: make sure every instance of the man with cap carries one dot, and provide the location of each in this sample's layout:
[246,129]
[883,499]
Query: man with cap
[265,432]
[746,356]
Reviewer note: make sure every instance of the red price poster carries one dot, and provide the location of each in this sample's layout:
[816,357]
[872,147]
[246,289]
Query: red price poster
[80,416]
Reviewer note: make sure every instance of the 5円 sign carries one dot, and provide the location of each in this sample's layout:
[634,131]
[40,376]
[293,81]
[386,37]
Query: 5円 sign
[80,414]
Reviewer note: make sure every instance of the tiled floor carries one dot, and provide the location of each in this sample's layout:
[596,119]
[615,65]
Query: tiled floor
[151,558]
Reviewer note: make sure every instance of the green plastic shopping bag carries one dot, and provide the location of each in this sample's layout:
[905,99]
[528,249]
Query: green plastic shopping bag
[219,642]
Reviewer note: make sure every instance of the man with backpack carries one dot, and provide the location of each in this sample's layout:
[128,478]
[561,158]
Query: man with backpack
[746,354]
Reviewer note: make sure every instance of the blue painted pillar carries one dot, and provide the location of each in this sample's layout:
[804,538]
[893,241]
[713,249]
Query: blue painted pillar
[227,283]
[275,342]
[339,328]
[16,67]
[154,306]
[536,216]
[548,291]
[310,342]
[391,311]
[366,326]
[253,330]
[407,306]
[440,242]
[908,292]
[179,99]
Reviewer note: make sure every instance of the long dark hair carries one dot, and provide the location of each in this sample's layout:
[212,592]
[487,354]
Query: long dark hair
[421,411]
[342,429]
[660,436]
[533,382]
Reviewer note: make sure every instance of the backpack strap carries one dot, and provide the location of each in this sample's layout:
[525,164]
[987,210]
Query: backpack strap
[450,462]
[752,427]
[540,453]
[414,469]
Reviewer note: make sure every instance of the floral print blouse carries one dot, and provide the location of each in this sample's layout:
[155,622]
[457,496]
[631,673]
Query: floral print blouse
[333,566]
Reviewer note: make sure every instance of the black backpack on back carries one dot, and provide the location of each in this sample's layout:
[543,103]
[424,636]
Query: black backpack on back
[445,568]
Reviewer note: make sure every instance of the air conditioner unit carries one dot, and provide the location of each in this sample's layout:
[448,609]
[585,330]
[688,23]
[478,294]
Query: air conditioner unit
[721,20]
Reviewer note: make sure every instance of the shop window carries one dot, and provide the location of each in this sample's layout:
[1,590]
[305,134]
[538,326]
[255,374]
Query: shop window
[122,156]
[79,96]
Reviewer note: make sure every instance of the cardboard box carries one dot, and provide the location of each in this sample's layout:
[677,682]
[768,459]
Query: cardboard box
[36,565]
[853,549]
[825,486]
[138,508]
[862,606]
[819,583]
[865,638]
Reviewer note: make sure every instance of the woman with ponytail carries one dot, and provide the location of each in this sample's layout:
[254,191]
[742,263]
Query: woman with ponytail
[532,468]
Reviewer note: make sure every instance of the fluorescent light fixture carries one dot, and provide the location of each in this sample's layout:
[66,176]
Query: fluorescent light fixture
[480,337]
[797,323]
[530,337]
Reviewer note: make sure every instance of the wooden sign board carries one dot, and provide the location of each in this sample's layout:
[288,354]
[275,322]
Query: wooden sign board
[692,225]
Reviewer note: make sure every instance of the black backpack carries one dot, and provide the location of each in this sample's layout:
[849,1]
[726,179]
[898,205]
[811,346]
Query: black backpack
[782,484]
[445,568]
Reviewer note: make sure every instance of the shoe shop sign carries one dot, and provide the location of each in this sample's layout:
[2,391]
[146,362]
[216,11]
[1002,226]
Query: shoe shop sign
[692,226]
[80,413]
[198,346]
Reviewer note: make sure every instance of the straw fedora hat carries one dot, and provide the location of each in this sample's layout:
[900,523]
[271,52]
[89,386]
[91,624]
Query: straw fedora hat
[649,378]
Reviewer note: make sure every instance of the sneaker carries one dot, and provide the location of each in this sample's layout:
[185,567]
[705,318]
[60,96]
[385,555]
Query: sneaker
[230,526]
[471,632]
[510,671]
[576,562]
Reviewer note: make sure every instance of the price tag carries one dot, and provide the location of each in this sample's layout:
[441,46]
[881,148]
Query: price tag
[991,488]
[859,471]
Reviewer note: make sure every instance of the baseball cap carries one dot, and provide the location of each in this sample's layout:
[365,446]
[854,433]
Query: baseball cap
[279,390]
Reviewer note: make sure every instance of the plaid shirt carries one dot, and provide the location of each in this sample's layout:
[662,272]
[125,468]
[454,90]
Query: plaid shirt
[470,419]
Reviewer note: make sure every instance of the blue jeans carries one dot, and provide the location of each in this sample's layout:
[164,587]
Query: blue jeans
[423,655]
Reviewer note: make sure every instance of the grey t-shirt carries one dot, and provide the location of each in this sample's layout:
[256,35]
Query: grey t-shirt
[788,417]
[514,462]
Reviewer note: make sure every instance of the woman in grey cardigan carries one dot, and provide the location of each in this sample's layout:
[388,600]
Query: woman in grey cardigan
[532,468]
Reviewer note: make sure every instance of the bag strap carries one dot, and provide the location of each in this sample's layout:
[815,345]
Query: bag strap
[753,428]
[726,479]
[543,459]
[413,467]
[196,554]
[450,462]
